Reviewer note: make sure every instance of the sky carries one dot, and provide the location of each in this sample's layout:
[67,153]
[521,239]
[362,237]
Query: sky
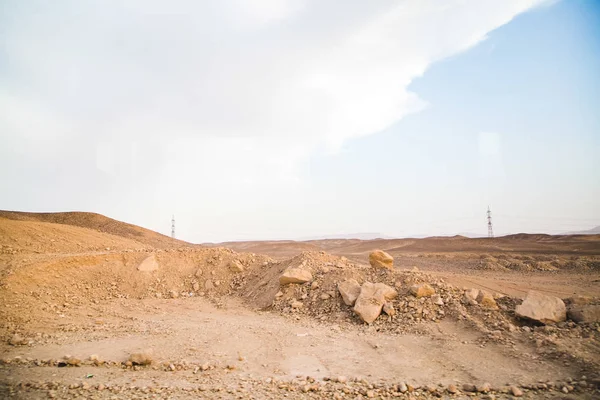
[285,119]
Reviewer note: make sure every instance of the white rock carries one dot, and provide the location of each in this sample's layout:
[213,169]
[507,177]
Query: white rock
[295,275]
[372,297]
[349,289]
[542,308]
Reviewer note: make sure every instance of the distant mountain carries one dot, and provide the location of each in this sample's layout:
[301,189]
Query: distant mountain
[593,231]
[464,234]
[361,236]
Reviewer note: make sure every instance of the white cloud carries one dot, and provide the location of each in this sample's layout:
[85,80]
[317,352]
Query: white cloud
[239,91]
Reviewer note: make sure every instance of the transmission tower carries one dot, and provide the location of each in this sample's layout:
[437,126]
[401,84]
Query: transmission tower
[173,227]
[489,219]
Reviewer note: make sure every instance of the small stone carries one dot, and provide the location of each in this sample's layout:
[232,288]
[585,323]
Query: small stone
[402,388]
[142,358]
[483,388]
[17,340]
[470,297]
[467,387]
[342,379]
[296,304]
[515,391]
[72,361]
[486,300]
[437,299]
[388,308]
[452,389]
[423,290]
[235,266]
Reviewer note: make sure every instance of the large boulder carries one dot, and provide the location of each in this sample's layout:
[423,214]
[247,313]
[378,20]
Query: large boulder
[581,311]
[149,264]
[542,308]
[381,259]
[422,290]
[350,290]
[295,275]
[370,302]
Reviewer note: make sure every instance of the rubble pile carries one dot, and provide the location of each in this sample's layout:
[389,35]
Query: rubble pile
[397,300]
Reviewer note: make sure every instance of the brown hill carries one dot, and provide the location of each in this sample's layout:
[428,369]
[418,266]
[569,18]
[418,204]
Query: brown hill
[91,221]
[520,243]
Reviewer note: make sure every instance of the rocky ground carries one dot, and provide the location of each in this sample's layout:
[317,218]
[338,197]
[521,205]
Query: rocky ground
[135,321]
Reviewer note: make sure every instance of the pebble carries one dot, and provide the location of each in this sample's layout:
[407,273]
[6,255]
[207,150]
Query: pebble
[515,391]
[467,387]
[452,389]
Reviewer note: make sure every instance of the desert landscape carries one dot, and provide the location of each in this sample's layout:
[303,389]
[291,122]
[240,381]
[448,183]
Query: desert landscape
[95,308]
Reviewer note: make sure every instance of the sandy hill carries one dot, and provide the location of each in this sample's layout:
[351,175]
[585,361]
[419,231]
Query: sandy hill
[78,230]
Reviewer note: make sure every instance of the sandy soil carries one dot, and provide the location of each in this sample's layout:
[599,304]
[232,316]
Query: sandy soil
[212,331]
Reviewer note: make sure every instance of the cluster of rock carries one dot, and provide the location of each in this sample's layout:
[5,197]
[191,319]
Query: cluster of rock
[220,383]
[363,292]
[526,263]
[412,296]
[479,297]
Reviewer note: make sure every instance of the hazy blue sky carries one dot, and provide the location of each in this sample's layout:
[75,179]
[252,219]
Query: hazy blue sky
[295,118]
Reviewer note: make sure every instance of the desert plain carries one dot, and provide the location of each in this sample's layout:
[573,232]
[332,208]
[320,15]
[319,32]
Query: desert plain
[94,308]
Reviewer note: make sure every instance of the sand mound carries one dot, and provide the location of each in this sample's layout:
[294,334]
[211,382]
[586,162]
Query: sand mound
[98,223]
